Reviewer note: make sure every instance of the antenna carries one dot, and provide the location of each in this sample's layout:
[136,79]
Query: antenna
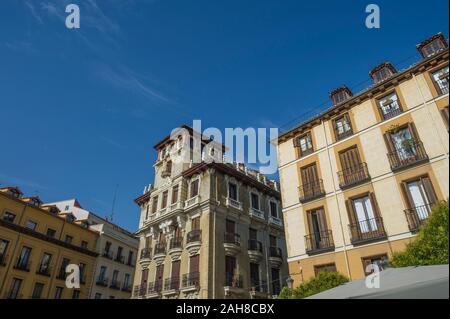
[113,203]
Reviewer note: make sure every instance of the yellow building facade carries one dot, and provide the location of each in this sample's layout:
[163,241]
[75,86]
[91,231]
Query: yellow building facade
[37,242]
[359,180]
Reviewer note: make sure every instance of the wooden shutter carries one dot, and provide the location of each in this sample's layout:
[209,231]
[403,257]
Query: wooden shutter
[322,220]
[144,277]
[407,194]
[347,119]
[253,234]
[175,194]
[148,242]
[296,141]
[175,269]
[310,221]
[164,199]
[350,211]
[429,190]
[389,143]
[230,226]
[350,158]
[376,209]
[309,174]
[413,131]
[177,232]
[162,238]
[445,116]
[195,223]
[194,264]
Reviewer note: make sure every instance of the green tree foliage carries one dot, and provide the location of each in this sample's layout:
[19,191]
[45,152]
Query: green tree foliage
[323,281]
[431,245]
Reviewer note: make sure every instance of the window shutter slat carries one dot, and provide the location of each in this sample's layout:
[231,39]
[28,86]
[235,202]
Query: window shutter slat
[429,190]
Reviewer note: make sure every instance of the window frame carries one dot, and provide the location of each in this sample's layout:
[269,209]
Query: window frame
[341,136]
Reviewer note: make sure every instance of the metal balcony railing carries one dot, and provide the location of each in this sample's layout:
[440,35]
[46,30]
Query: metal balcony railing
[176,243]
[194,236]
[275,252]
[44,270]
[115,284]
[319,242]
[417,216]
[146,253]
[234,281]
[172,283]
[22,264]
[191,279]
[155,286]
[253,244]
[311,191]
[412,152]
[367,230]
[140,290]
[232,238]
[257,285]
[353,176]
[102,281]
[391,110]
[160,248]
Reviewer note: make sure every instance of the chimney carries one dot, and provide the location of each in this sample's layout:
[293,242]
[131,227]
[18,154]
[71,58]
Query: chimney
[433,45]
[382,72]
[340,95]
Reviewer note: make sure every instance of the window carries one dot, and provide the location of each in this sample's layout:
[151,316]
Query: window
[232,191]
[254,200]
[440,79]
[51,233]
[254,276]
[107,247]
[126,280]
[82,268]
[273,241]
[44,266]
[276,282]
[273,209]
[231,276]
[67,207]
[84,244]
[389,106]
[342,127]
[115,277]
[165,195]
[76,294]
[119,256]
[327,267]
[304,144]
[405,146]
[31,225]
[432,48]
[130,258]
[154,204]
[68,239]
[98,296]
[365,215]
[37,291]
[381,75]
[195,223]
[175,194]
[102,274]
[59,292]
[370,264]
[62,270]
[340,95]
[15,289]
[168,168]
[194,188]
[3,248]
[24,258]
[9,217]
[420,197]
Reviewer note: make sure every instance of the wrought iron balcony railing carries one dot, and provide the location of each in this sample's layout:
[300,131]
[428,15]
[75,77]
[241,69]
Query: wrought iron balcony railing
[146,253]
[319,242]
[194,236]
[275,252]
[172,283]
[140,290]
[234,281]
[160,248]
[311,191]
[353,176]
[411,153]
[232,238]
[253,244]
[367,230]
[191,279]
[155,287]
[176,243]
[417,216]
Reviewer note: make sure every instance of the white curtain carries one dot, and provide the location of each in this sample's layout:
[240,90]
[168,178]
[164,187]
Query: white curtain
[365,215]
[419,202]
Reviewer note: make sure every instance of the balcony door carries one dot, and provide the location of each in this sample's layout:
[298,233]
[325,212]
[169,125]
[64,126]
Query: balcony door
[230,271]
[317,227]
[351,164]
[159,277]
[144,280]
[254,276]
[421,196]
[365,215]
[175,276]
[403,143]
[310,179]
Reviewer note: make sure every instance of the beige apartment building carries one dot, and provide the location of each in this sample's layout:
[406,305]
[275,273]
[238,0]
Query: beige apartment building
[208,230]
[359,179]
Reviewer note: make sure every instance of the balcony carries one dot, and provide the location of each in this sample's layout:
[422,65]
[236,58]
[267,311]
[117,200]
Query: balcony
[411,153]
[126,288]
[275,257]
[115,284]
[417,216]
[171,286]
[176,248]
[234,285]
[120,259]
[230,202]
[102,281]
[140,290]
[256,213]
[107,254]
[258,289]
[232,244]
[146,256]
[155,288]
[192,202]
[367,231]
[190,282]
[44,270]
[176,206]
[321,242]
[273,220]
[194,241]
[353,176]
[23,265]
[311,191]
[160,253]
[255,251]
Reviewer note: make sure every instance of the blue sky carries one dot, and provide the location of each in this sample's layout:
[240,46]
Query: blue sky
[81,109]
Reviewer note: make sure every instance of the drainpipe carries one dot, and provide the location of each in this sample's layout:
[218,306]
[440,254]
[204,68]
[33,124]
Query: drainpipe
[213,216]
[337,203]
